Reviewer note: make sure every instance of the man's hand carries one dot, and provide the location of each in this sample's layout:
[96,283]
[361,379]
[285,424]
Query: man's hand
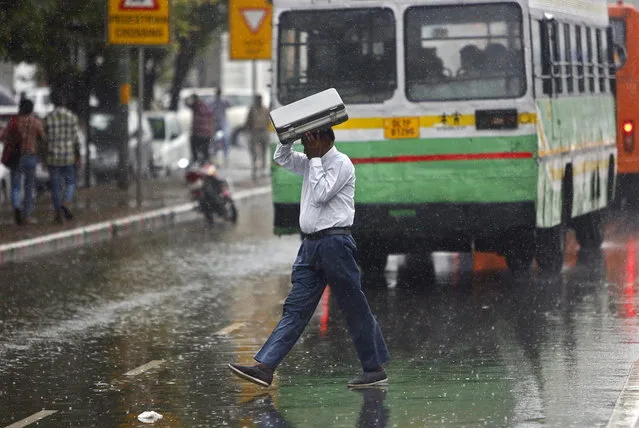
[312,145]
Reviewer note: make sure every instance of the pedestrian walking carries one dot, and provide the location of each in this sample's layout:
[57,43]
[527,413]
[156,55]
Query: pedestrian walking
[326,256]
[201,129]
[24,136]
[257,122]
[219,107]
[62,155]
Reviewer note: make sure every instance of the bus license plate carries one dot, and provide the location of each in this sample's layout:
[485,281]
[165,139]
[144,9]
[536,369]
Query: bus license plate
[401,127]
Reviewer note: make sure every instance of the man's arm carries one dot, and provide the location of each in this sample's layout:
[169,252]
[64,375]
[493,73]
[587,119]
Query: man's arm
[326,183]
[76,139]
[289,159]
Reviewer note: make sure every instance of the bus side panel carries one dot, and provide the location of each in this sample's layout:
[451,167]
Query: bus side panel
[578,132]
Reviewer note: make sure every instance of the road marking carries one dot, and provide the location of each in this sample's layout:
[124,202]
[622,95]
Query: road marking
[230,329]
[144,367]
[31,419]
[249,193]
[626,411]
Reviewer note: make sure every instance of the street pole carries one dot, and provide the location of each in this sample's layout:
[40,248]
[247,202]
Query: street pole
[138,149]
[122,117]
[254,78]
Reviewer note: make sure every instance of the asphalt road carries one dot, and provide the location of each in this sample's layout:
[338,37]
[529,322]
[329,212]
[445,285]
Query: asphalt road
[94,337]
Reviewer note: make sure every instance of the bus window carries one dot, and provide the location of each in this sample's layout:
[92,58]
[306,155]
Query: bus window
[619,48]
[351,50]
[464,52]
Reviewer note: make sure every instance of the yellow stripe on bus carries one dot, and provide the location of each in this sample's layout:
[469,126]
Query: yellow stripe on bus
[463,120]
[557,174]
[562,150]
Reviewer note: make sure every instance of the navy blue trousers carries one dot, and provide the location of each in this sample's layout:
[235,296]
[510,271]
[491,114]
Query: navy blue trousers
[329,260]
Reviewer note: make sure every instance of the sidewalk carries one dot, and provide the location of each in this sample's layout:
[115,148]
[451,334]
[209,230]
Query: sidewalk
[104,211]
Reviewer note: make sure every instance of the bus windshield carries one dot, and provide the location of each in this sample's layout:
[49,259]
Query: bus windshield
[352,50]
[464,52]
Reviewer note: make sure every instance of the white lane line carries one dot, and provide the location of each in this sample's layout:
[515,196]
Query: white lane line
[248,193]
[31,419]
[230,329]
[626,411]
[144,367]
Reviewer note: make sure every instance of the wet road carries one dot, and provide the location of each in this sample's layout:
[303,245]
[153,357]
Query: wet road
[149,323]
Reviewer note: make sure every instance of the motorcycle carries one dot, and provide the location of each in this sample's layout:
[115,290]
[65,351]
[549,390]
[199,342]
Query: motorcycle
[211,191]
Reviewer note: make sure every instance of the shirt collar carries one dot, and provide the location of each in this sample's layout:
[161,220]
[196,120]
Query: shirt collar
[330,154]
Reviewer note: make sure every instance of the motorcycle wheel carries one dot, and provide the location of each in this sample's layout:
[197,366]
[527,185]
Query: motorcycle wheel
[231,211]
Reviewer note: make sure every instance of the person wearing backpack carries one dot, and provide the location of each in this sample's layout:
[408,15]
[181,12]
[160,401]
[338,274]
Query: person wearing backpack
[23,138]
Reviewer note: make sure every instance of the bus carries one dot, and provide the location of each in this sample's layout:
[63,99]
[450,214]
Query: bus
[624,22]
[474,125]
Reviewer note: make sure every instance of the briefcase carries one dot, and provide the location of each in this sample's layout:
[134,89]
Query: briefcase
[320,110]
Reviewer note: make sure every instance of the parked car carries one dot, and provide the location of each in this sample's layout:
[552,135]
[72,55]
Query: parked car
[103,134]
[170,141]
[5,181]
[8,106]
[41,97]
[240,101]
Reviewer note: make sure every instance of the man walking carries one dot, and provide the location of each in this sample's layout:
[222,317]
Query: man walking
[326,256]
[257,122]
[62,155]
[219,107]
[201,129]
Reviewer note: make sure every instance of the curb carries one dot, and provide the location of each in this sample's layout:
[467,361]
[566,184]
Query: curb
[108,230]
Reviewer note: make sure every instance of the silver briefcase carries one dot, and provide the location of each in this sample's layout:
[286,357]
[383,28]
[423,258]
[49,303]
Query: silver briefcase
[320,110]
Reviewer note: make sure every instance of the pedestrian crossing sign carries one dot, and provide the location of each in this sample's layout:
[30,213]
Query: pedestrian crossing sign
[138,22]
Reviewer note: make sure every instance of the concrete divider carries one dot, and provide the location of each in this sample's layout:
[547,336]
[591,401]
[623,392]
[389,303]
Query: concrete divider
[104,231]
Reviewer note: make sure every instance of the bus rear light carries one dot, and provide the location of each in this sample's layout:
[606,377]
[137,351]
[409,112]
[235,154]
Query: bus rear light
[628,133]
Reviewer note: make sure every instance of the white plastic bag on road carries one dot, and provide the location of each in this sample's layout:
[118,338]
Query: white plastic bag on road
[149,417]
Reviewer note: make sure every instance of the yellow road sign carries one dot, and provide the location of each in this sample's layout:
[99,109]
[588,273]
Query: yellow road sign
[138,22]
[250,28]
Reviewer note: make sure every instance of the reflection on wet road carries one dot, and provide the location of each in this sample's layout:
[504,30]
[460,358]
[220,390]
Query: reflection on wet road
[148,323]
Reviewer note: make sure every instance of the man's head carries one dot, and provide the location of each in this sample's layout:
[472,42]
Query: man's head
[218,92]
[25,106]
[317,143]
[258,100]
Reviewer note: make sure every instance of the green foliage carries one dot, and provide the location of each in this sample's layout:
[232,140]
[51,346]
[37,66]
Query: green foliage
[59,35]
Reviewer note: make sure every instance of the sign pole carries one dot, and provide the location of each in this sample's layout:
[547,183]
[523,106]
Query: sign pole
[138,149]
[254,78]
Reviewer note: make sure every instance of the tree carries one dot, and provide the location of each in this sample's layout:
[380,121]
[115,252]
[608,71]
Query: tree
[65,37]
[201,20]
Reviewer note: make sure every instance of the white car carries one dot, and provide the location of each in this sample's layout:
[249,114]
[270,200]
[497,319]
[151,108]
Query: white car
[41,97]
[240,101]
[170,141]
[5,182]
[8,106]
[104,136]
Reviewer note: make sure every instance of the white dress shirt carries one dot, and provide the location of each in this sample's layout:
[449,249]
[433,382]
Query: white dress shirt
[328,188]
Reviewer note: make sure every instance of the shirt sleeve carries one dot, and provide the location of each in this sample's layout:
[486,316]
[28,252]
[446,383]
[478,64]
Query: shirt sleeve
[289,159]
[327,182]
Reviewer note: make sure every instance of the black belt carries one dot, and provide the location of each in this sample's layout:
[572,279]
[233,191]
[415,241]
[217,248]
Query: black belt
[327,232]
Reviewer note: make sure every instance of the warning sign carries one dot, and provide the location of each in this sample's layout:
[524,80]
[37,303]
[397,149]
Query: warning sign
[138,22]
[250,29]
[254,18]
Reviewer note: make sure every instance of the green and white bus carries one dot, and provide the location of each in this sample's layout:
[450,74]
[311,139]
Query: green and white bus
[474,125]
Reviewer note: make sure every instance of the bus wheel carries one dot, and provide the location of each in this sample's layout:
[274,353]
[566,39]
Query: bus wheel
[519,249]
[549,252]
[589,231]
[371,257]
